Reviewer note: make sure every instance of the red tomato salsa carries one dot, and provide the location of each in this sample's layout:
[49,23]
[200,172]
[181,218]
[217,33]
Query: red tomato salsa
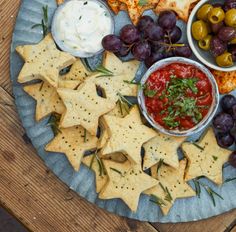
[178,96]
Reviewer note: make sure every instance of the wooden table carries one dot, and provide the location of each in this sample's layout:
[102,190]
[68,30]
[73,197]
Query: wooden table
[34,195]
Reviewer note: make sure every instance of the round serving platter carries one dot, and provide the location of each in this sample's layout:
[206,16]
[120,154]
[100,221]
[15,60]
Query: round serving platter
[83,182]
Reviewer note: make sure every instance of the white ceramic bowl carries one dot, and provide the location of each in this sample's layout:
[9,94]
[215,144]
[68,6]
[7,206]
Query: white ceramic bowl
[65,48]
[204,56]
[205,121]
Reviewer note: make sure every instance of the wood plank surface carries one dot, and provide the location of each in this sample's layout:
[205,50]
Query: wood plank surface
[35,196]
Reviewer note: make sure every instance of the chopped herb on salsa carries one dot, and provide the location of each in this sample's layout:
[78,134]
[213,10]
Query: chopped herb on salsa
[178,96]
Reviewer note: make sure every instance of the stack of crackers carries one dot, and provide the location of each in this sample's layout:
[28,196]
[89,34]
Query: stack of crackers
[115,152]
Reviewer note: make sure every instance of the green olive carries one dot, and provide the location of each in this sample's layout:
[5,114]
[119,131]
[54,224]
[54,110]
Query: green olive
[199,30]
[233,41]
[216,15]
[230,18]
[205,43]
[225,60]
[203,12]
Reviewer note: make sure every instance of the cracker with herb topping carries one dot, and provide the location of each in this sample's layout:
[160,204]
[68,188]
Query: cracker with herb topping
[162,147]
[73,142]
[181,7]
[205,158]
[84,107]
[48,101]
[127,135]
[43,61]
[171,187]
[127,182]
[121,74]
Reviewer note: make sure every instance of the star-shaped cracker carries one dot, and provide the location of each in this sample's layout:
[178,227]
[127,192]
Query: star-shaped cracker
[73,142]
[127,182]
[94,162]
[123,72]
[77,72]
[121,110]
[172,185]
[43,61]
[83,107]
[127,135]
[48,101]
[205,158]
[162,147]
[180,7]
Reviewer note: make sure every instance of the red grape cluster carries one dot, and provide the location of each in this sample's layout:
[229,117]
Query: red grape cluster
[149,41]
[224,122]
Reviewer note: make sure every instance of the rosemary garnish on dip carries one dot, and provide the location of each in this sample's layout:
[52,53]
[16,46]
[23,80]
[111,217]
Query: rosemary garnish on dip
[44,22]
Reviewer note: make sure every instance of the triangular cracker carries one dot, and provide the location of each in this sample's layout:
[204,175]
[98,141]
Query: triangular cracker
[73,141]
[126,182]
[127,135]
[83,107]
[172,181]
[205,158]
[180,7]
[122,71]
[43,61]
[48,101]
[162,147]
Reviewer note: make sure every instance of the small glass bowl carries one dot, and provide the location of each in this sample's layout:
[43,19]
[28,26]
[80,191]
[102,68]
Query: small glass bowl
[80,54]
[204,122]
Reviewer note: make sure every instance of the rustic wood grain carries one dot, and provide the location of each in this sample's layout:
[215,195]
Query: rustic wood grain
[35,196]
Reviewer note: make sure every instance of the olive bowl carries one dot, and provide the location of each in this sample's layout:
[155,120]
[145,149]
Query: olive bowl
[204,122]
[204,56]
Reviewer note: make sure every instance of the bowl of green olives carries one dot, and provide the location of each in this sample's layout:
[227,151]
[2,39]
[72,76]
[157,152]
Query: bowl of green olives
[211,33]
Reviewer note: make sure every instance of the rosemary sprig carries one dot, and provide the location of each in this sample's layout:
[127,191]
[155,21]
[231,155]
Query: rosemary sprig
[168,196]
[102,170]
[212,194]
[160,163]
[44,22]
[123,99]
[123,105]
[198,146]
[229,180]
[41,86]
[104,71]
[54,123]
[115,170]
[157,200]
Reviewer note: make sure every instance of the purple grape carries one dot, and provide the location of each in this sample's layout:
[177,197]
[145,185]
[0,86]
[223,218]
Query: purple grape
[217,46]
[124,51]
[141,50]
[129,34]
[168,54]
[223,122]
[232,159]
[229,4]
[144,22]
[227,102]
[226,33]
[232,50]
[111,43]
[174,35]
[153,58]
[225,139]
[233,112]
[183,51]
[216,27]
[156,45]
[167,20]
[154,32]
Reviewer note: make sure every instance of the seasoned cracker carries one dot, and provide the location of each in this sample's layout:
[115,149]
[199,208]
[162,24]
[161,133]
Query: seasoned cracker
[205,158]
[180,7]
[47,98]
[127,135]
[162,147]
[43,61]
[83,107]
[127,182]
[73,142]
[172,185]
